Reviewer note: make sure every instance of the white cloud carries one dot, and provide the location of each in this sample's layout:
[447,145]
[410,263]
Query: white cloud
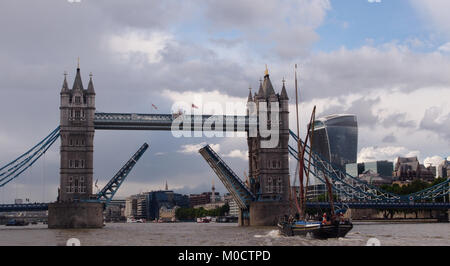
[208,102]
[438,121]
[434,161]
[445,47]
[194,148]
[243,155]
[434,11]
[390,153]
[275,27]
[138,43]
[368,69]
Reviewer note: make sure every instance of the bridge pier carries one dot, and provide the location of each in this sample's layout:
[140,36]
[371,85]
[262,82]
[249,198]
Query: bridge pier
[267,213]
[244,218]
[67,215]
[442,216]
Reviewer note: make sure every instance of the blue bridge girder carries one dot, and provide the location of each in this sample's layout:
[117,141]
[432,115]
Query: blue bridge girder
[23,207]
[316,205]
[165,122]
[382,205]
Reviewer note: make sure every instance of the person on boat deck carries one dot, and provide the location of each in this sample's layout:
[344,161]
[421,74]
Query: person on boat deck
[325,219]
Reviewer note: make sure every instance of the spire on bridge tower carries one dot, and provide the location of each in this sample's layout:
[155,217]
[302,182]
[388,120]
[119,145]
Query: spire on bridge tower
[91,85]
[261,90]
[250,97]
[267,85]
[78,84]
[65,87]
[283,95]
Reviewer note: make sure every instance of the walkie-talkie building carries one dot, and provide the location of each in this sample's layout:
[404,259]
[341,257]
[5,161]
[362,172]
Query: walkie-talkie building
[336,139]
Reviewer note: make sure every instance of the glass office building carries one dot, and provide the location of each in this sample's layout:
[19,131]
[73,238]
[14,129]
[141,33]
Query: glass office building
[355,169]
[383,168]
[336,139]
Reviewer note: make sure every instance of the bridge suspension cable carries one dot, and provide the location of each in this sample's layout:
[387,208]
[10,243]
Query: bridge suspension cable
[344,183]
[15,168]
[355,188]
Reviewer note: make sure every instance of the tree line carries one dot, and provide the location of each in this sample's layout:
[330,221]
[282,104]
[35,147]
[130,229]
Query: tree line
[193,213]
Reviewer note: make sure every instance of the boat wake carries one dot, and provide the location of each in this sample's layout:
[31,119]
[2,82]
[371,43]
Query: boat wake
[271,234]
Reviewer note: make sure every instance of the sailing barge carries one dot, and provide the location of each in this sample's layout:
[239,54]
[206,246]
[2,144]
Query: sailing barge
[334,227]
[318,230]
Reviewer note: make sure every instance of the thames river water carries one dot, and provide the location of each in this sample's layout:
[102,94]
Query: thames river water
[217,234]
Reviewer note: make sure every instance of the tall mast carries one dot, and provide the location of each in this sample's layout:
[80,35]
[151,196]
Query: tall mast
[300,172]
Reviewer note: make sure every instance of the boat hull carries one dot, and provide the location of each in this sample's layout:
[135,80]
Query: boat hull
[289,229]
[320,231]
[17,223]
[332,231]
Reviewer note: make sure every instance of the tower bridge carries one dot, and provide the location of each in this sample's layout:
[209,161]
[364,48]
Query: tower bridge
[262,200]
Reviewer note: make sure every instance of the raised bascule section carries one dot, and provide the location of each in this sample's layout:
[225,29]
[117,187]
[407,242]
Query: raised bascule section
[107,193]
[239,191]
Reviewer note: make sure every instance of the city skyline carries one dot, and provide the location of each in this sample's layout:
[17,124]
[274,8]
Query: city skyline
[390,71]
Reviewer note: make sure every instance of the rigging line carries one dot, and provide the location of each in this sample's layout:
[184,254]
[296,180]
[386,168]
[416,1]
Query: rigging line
[30,177]
[323,172]
[54,131]
[43,179]
[15,187]
[6,182]
[46,146]
[20,164]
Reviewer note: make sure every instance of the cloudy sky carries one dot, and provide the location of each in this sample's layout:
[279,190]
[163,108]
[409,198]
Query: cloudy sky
[388,62]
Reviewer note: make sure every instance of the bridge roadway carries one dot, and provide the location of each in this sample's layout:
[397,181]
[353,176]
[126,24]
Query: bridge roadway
[319,205]
[132,121]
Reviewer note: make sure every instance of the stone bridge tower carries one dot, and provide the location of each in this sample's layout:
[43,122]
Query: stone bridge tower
[269,167]
[77,140]
[77,112]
